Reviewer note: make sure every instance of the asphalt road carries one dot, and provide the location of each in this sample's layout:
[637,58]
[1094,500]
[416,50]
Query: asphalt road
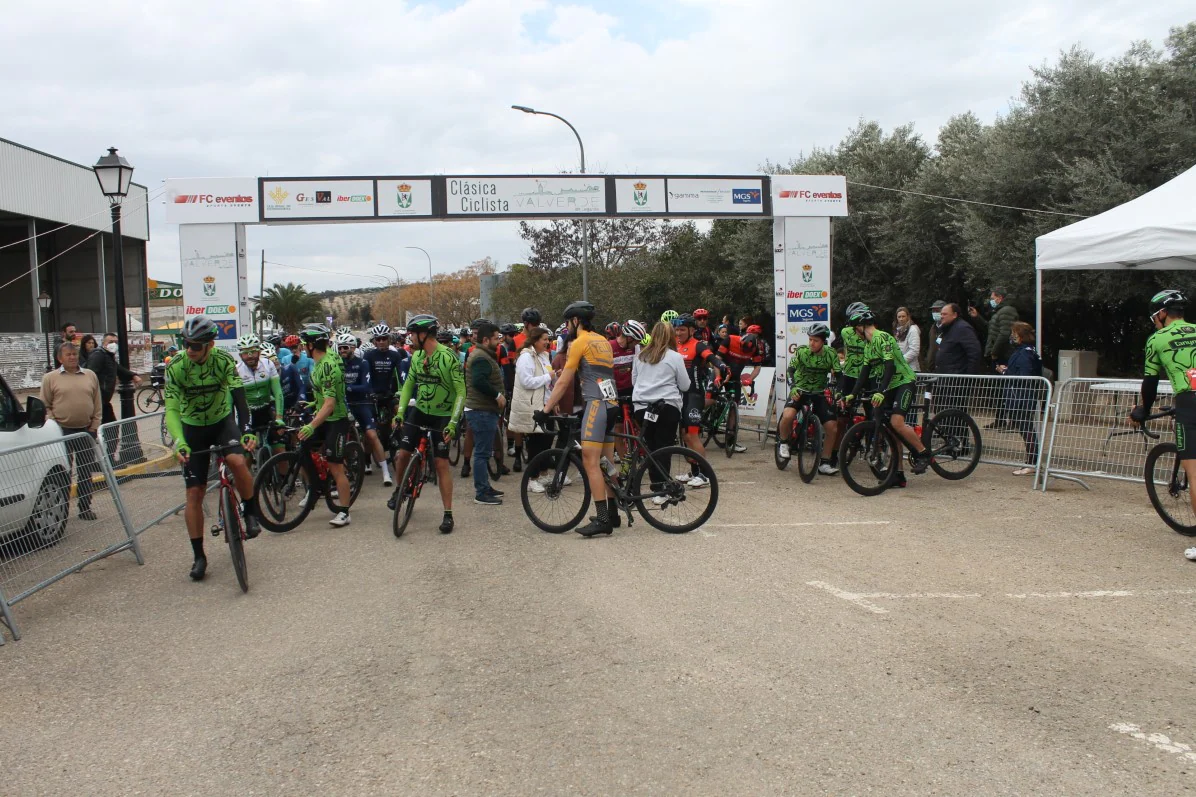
[951,638]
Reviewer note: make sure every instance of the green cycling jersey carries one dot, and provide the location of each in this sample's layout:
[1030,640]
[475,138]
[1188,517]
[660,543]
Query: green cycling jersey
[328,381]
[809,372]
[199,393]
[879,352]
[437,383]
[853,347]
[1171,351]
[262,386]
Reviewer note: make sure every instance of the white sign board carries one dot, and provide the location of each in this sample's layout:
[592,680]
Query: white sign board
[637,195]
[802,284]
[210,279]
[284,200]
[211,200]
[525,196]
[809,195]
[404,197]
[754,401]
[732,196]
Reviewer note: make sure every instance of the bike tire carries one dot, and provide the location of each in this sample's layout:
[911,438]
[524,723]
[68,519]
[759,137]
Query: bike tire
[952,458]
[716,430]
[234,536]
[732,427]
[409,489]
[674,517]
[354,472]
[876,457]
[809,447]
[167,440]
[285,491]
[500,448]
[557,509]
[149,399]
[455,446]
[1172,503]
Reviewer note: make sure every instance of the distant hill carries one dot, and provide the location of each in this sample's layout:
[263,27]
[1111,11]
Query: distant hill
[337,303]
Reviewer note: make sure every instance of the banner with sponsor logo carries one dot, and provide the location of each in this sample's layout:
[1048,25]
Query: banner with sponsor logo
[209,275]
[211,200]
[640,195]
[754,400]
[716,196]
[802,285]
[525,196]
[311,198]
[809,195]
[404,197]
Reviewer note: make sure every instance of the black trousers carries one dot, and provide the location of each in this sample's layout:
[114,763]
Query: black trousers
[82,450]
[108,415]
[660,433]
[533,444]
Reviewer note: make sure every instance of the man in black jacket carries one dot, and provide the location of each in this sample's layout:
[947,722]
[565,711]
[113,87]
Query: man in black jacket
[958,353]
[103,362]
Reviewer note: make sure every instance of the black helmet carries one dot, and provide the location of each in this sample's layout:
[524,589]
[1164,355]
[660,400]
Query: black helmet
[423,323]
[1169,299]
[685,320]
[859,313]
[582,309]
[199,328]
[508,329]
[444,336]
[749,342]
[530,315]
[314,333]
[274,340]
[819,330]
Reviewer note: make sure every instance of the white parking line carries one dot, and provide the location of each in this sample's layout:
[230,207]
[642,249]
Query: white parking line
[864,599]
[1159,740]
[947,595]
[1103,593]
[800,524]
[850,597]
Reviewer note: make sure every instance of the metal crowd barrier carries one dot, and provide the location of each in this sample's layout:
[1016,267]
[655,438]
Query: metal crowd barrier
[149,475]
[59,512]
[1091,437]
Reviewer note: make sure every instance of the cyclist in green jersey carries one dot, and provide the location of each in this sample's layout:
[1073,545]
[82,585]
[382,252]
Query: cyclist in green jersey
[895,385]
[811,370]
[853,349]
[331,421]
[201,392]
[436,384]
[1171,350]
[263,389]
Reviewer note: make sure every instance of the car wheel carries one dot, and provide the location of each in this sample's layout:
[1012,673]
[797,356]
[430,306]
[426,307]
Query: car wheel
[51,509]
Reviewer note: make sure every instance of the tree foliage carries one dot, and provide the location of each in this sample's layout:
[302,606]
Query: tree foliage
[454,298]
[292,305]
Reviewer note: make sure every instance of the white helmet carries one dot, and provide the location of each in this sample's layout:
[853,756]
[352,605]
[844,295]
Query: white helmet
[366,346]
[249,342]
[345,338]
[379,330]
[343,329]
[634,330]
[268,349]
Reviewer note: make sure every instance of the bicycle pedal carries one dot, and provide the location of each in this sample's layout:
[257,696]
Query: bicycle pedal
[216,531]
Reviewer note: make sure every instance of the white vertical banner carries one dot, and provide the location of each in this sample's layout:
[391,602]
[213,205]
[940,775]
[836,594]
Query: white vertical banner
[806,242]
[208,255]
[245,312]
[781,309]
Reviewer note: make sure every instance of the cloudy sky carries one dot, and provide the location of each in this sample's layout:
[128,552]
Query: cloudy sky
[315,87]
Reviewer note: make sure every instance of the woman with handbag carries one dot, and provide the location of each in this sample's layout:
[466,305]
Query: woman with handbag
[533,378]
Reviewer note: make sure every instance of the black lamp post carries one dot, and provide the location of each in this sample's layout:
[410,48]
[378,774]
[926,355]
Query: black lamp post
[43,301]
[115,176]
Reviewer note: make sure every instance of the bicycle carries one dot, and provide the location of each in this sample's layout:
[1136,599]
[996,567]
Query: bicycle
[1163,468]
[664,505]
[805,437]
[151,397]
[228,514]
[720,421]
[288,485]
[420,470]
[494,465]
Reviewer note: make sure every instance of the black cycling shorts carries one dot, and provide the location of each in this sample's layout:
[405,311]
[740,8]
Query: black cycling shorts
[900,399]
[691,410]
[200,438]
[822,407]
[263,418]
[409,433]
[334,435]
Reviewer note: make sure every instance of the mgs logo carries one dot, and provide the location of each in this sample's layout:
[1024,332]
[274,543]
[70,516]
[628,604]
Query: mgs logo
[404,195]
[807,273]
[640,194]
[279,194]
[209,286]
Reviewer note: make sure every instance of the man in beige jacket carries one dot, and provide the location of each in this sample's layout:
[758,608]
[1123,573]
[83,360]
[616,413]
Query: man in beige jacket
[72,398]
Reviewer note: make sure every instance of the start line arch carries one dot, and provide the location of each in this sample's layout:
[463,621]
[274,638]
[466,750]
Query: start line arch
[212,214]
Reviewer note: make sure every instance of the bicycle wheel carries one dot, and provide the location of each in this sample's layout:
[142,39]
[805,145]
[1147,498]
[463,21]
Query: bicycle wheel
[566,496]
[500,448]
[149,399]
[669,503]
[354,472]
[234,535]
[713,421]
[869,458]
[167,440]
[1167,486]
[809,447]
[285,489]
[408,491]
[455,446]
[953,440]
[731,424]
[783,462]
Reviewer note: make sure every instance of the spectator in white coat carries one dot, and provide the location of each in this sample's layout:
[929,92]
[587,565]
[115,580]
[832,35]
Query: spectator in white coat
[533,378]
[909,338]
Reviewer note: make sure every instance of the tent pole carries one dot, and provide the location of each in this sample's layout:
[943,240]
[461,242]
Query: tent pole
[1038,310]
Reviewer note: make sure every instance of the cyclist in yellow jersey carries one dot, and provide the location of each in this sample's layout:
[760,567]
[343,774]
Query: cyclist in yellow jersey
[1171,350]
[590,356]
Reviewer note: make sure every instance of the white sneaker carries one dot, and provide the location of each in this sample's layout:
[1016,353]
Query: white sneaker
[738,449]
[1190,554]
[660,500]
[335,493]
[783,450]
[387,481]
[341,519]
[827,469]
[698,481]
[369,468]
[683,477]
[546,480]
[535,486]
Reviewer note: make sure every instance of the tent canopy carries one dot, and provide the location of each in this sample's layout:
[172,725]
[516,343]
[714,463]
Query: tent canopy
[1155,231]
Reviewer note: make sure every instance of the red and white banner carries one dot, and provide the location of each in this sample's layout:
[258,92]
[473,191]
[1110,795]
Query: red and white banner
[809,195]
[211,200]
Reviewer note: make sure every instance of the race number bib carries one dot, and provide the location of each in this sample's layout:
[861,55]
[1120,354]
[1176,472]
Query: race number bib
[607,387]
[651,417]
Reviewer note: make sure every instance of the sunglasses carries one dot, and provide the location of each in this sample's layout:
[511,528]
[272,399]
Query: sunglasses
[383,337]
[197,345]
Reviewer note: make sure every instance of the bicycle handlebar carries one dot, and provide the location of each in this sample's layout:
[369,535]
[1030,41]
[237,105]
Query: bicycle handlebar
[1166,412]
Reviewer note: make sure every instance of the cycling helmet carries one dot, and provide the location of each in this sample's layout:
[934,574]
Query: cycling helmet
[249,342]
[291,341]
[1169,300]
[268,350]
[314,333]
[444,336]
[423,323]
[274,339]
[685,321]
[701,312]
[380,330]
[345,339]
[519,327]
[856,309]
[668,316]
[456,341]
[581,309]
[749,342]
[613,330]
[508,329]
[343,330]
[530,315]
[635,330]
[755,329]
[562,329]
[819,331]
[366,346]
[199,328]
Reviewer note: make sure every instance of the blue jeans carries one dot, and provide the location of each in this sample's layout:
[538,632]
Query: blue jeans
[484,426]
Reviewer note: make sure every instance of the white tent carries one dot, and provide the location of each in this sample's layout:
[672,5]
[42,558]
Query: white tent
[1155,231]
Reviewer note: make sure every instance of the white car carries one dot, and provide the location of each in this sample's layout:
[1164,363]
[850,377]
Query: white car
[35,483]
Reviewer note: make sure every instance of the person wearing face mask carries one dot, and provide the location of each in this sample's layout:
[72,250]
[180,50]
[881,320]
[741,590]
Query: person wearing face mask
[103,362]
[936,317]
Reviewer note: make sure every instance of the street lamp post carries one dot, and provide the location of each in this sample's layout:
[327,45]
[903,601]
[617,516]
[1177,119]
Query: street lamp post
[395,270]
[425,251]
[585,223]
[115,176]
[43,301]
